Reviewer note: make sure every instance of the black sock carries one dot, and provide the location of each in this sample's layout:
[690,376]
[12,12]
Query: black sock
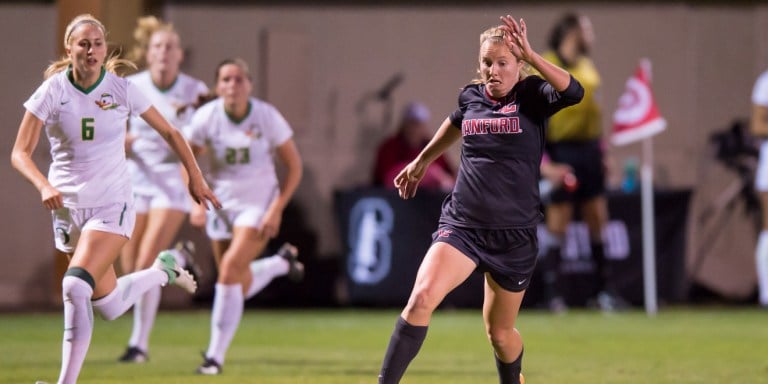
[509,373]
[598,258]
[404,344]
[550,265]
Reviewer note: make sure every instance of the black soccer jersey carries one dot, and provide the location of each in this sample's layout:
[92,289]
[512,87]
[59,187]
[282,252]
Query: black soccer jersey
[497,184]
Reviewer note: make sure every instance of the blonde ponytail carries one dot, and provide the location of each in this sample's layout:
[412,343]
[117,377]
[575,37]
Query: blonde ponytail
[146,26]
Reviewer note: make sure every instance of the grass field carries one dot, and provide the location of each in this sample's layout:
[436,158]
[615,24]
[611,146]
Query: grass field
[712,345]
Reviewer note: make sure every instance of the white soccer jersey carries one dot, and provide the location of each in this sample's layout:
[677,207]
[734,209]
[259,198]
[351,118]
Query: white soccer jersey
[242,171]
[86,130]
[760,91]
[153,164]
[760,97]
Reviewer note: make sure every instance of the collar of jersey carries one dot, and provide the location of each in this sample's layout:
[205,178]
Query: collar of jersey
[166,89]
[238,121]
[503,100]
[81,89]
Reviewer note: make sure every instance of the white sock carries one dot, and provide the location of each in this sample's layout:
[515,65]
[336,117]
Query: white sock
[128,291]
[761,259]
[227,312]
[144,313]
[78,327]
[265,270]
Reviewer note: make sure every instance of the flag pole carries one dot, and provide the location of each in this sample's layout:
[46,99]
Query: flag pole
[649,230]
[638,119]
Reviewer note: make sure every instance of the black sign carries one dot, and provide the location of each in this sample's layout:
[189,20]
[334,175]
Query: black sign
[385,238]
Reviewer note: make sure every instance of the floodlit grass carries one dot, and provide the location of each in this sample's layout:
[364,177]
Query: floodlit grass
[708,345]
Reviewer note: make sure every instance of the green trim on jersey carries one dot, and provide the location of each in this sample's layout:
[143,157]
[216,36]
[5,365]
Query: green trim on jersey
[89,89]
[166,89]
[238,121]
[122,214]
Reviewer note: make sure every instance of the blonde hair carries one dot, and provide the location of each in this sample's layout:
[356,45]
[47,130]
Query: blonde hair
[146,26]
[496,35]
[112,63]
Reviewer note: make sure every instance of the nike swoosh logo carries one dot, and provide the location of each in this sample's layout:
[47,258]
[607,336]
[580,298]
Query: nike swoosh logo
[521,282]
[64,102]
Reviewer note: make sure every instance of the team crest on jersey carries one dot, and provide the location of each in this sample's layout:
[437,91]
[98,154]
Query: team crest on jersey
[507,109]
[107,102]
[252,132]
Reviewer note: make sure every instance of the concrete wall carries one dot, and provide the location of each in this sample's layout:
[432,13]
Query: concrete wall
[25,226]
[321,65]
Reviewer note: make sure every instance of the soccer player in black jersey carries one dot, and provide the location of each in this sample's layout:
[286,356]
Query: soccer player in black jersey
[488,222]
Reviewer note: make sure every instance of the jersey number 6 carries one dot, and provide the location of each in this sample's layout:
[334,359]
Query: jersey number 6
[87,125]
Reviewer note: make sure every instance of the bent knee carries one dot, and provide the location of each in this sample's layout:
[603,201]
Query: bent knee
[77,284]
[423,300]
[232,270]
[502,337]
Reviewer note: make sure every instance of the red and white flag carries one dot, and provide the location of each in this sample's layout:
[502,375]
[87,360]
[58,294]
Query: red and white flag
[637,116]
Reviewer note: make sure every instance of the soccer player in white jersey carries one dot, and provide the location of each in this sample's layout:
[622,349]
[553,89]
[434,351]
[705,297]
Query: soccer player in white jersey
[240,134]
[759,127]
[160,196]
[84,108]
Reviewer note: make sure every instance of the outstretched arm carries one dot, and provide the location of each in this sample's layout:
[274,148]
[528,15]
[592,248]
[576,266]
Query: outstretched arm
[289,155]
[21,159]
[407,181]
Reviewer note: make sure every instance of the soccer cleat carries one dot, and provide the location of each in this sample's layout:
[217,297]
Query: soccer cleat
[209,367]
[186,249]
[557,305]
[611,302]
[133,355]
[295,268]
[176,275]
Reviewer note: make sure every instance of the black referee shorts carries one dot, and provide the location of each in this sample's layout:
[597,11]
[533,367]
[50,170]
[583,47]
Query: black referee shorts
[586,159]
[509,255]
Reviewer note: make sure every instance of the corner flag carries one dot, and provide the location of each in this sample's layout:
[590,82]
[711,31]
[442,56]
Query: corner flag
[637,116]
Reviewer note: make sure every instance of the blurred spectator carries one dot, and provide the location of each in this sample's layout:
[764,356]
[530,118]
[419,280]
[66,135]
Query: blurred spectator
[397,151]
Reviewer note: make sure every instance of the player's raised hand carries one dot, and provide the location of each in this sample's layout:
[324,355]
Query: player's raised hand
[407,181]
[517,38]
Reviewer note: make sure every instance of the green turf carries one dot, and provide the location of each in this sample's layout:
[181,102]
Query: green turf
[713,345]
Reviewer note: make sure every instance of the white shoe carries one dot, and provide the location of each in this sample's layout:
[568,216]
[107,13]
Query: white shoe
[209,367]
[176,275]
